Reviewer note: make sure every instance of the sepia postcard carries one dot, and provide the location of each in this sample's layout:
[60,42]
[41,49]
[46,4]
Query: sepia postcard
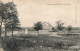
[39,25]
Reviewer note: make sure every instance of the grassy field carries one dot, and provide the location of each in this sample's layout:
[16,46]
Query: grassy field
[42,43]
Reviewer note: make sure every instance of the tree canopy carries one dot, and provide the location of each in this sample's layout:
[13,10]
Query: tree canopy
[59,25]
[9,15]
[38,26]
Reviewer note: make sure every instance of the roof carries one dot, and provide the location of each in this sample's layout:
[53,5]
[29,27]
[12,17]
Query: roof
[30,29]
[47,23]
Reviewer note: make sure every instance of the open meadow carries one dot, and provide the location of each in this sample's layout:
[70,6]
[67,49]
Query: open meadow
[68,42]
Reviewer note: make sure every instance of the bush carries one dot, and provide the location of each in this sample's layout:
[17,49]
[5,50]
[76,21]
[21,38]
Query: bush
[27,43]
[58,45]
[48,44]
[11,44]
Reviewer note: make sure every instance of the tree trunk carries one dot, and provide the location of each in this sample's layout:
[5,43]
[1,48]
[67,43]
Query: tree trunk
[68,32]
[12,31]
[58,31]
[5,31]
[0,30]
[38,32]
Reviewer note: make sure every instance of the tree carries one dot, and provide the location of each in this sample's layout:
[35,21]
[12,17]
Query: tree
[59,25]
[69,28]
[38,26]
[2,15]
[11,19]
[53,29]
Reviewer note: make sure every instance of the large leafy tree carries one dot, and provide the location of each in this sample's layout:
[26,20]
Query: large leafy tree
[8,15]
[11,19]
[38,26]
[59,25]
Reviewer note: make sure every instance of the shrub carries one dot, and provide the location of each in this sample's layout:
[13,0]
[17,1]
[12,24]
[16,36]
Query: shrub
[48,44]
[27,43]
[11,44]
[58,45]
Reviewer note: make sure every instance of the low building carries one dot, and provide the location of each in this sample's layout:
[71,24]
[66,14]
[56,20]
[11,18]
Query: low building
[47,28]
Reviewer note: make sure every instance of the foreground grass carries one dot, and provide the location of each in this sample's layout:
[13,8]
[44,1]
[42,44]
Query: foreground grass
[40,43]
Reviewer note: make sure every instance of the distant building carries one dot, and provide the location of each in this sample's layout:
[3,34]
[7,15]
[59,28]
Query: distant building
[47,28]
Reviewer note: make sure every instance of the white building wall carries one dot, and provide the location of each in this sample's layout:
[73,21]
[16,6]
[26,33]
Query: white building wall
[44,32]
[33,32]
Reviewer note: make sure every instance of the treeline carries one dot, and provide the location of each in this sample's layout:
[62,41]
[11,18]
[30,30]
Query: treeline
[59,26]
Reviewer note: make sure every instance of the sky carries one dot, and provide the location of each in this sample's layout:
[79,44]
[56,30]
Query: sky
[32,11]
